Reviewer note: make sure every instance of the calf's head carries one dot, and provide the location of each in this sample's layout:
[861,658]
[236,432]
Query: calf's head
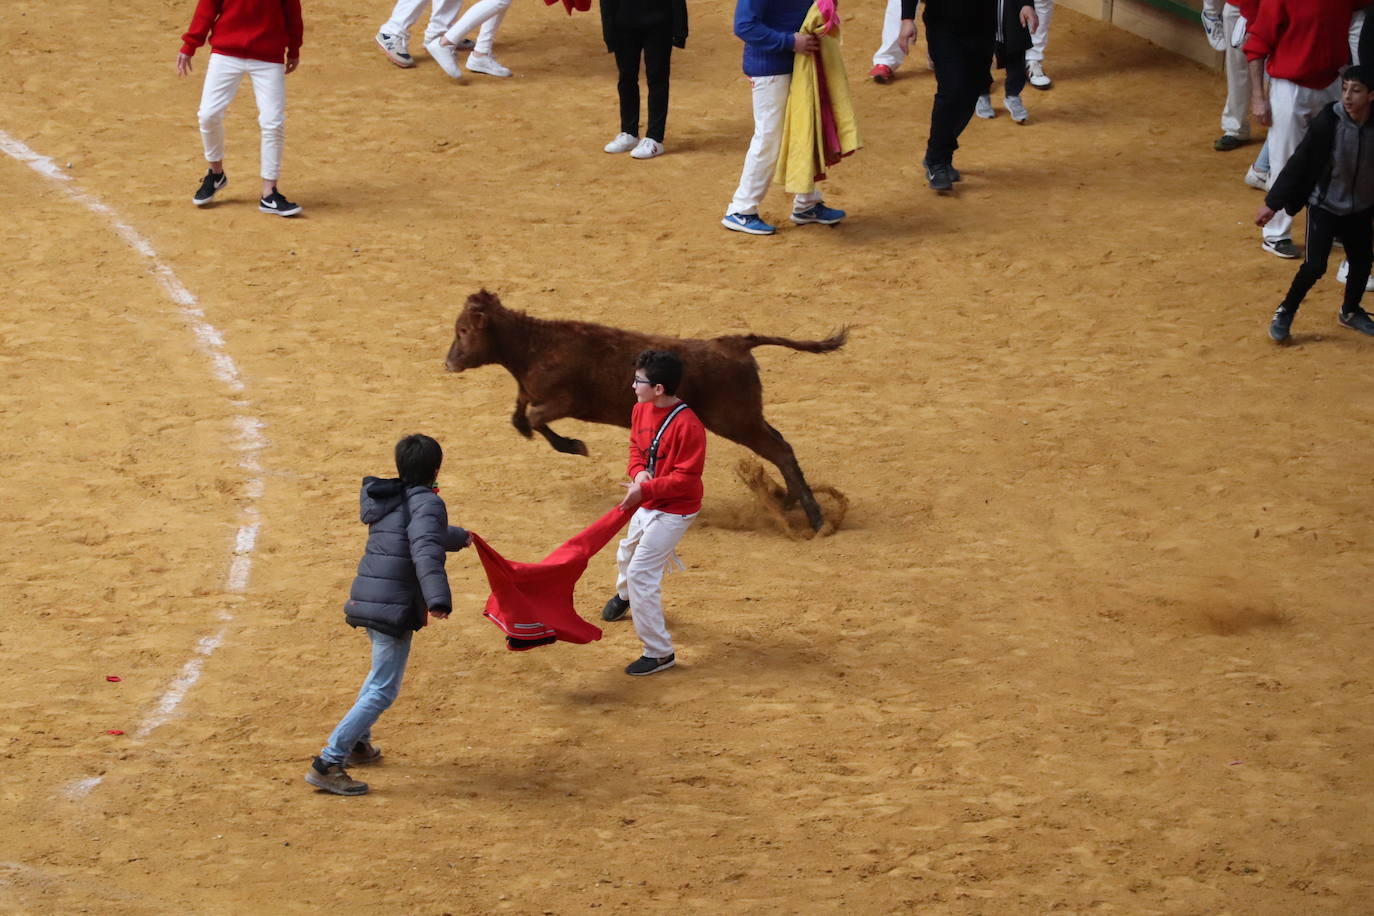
[473,339]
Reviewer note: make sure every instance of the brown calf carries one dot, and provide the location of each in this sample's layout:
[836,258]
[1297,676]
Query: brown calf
[582,370]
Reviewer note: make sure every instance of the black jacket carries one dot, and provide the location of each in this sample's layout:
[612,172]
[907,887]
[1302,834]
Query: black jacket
[1308,168]
[401,573]
[621,14]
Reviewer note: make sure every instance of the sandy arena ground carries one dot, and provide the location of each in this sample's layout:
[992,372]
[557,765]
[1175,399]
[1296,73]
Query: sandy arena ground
[1094,636]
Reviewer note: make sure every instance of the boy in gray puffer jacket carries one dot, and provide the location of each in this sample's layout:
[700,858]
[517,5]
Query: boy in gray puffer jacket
[400,584]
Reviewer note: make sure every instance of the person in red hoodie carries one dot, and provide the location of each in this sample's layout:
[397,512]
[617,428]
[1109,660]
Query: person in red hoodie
[1302,44]
[667,455]
[260,39]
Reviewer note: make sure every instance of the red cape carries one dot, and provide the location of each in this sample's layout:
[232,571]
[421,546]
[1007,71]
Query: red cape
[570,5]
[532,603]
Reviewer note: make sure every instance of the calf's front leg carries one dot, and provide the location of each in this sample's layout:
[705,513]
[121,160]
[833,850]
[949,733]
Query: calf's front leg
[539,415]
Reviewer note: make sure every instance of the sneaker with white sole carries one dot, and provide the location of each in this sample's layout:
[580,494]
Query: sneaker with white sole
[817,213]
[984,107]
[396,49]
[1343,272]
[443,56]
[1016,109]
[1257,179]
[747,222]
[210,185]
[648,148]
[1035,72]
[622,143]
[1279,325]
[1216,33]
[1283,248]
[278,205]
[485,63]
[332,777]
[647,665]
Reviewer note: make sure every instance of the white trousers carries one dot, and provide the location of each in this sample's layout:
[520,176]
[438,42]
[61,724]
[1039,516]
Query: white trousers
[484,13]
[1356,24]
[407,12]
[1235,115]
[643,556]
[1293,107]
[890,53]
[770,105]
[1044,11]
[222,77]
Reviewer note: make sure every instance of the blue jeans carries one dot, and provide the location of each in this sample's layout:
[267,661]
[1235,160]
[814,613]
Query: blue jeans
[389,656]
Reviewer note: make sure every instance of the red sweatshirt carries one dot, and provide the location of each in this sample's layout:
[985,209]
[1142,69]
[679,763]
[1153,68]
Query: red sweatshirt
[676,484]
[1307,41]
[256,29]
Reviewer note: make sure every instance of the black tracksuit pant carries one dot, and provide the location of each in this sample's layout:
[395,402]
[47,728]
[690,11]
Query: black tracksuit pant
[961,75]
[655,45]
[1356,232]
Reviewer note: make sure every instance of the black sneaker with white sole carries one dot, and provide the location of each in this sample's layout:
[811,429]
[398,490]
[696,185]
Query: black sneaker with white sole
[210,185]
[1357,320]
[615,609]
[647,665]
[277,205]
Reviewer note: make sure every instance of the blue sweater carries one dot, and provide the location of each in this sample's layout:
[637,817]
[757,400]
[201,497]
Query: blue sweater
[767,27]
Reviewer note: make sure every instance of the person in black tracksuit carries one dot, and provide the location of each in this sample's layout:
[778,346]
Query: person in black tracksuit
[647,28]
[1332,174]
[961,35]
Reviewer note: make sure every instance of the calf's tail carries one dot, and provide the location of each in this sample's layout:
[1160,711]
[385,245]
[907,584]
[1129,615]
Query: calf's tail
[833,342]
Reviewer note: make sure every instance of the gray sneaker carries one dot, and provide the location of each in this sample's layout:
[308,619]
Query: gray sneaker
[333,778]
[645,665]
[1016,109]
[984,107]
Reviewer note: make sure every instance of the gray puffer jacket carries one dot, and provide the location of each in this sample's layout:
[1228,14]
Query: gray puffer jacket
[401,573]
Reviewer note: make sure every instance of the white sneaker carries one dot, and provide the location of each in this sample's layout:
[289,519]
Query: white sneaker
[445,58]
[622,143]
[984,107]
[1035,72]
[1016,109]
[1257,179]
[394,47]
[1344,272]
[485,63]
[1216,33]
[647,149]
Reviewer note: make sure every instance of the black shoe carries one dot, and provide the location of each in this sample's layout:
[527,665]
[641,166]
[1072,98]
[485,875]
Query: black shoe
[615,609]
[210,185]
[646,665]
[1357,320]
[1278,328]
[1226,142]
[275,204]
[953,172]
[363,753]
[941,177]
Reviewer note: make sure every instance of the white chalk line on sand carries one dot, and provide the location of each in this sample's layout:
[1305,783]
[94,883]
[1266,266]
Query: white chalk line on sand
[248,440]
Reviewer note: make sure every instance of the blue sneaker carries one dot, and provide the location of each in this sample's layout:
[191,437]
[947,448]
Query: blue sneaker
[817,213]
[750,223]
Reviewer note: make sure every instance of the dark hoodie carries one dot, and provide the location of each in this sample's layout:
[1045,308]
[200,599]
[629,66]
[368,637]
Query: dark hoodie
[1333,167]
[401,573]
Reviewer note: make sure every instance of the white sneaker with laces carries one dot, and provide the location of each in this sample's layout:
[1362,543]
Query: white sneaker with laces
[622,143]
[1035,72]
[1257,179]
[445,58]
[485,63]
[394,47]
[1344,272]
[984,107]
[648,148]
[1016,109]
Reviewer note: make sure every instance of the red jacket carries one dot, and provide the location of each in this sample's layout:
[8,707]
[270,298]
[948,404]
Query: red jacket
[267,30]
[1307,41]
[676,484]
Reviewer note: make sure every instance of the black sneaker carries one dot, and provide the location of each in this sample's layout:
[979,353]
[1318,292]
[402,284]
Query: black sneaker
[615,609]
[1227,142]
[941,178]
[1278,327]
[953,172]
[646,665]
[1357,320]
[210,185]
[275,204]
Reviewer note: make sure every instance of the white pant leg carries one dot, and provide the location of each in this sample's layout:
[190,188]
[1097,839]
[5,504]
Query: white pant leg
[642,556]
[1235,116]
[486,35]
[269,88]
[476,15]
[1044,12]
[222,76]
[890,53]
[1356,24]
[441,18]
[1293,107]
[769,96]
[403,15]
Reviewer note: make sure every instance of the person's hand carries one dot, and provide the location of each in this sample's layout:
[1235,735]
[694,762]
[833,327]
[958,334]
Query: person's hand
[438,614]
[1259,107]
[907,35]
[1029,19]
[633,497]
[183,64]
[643,476]
[803,43]
[291,64]
[1263,215]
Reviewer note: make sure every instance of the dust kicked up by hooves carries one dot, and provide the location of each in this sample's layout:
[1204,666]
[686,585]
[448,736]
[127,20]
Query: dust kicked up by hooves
[789,517]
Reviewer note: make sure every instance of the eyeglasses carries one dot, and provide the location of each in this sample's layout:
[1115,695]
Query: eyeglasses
[642,381]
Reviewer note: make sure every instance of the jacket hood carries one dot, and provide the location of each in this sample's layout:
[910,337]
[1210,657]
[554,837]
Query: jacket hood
[379,498]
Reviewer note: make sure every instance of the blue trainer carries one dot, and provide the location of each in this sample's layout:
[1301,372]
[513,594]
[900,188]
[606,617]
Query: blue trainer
[748,222]
[817,213]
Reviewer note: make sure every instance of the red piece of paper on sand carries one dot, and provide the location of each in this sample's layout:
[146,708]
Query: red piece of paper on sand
[532,603]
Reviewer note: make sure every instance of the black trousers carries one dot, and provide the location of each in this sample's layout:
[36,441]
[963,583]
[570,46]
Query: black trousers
[655,45]
[1356,232]
[961,75]
[1015,65]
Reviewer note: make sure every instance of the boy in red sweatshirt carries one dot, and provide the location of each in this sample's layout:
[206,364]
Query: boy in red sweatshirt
[260,39]
[667,455]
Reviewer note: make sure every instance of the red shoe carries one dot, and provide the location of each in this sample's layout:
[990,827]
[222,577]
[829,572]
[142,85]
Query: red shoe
[881,73]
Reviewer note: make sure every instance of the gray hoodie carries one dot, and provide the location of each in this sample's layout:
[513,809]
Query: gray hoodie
[1351,186]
